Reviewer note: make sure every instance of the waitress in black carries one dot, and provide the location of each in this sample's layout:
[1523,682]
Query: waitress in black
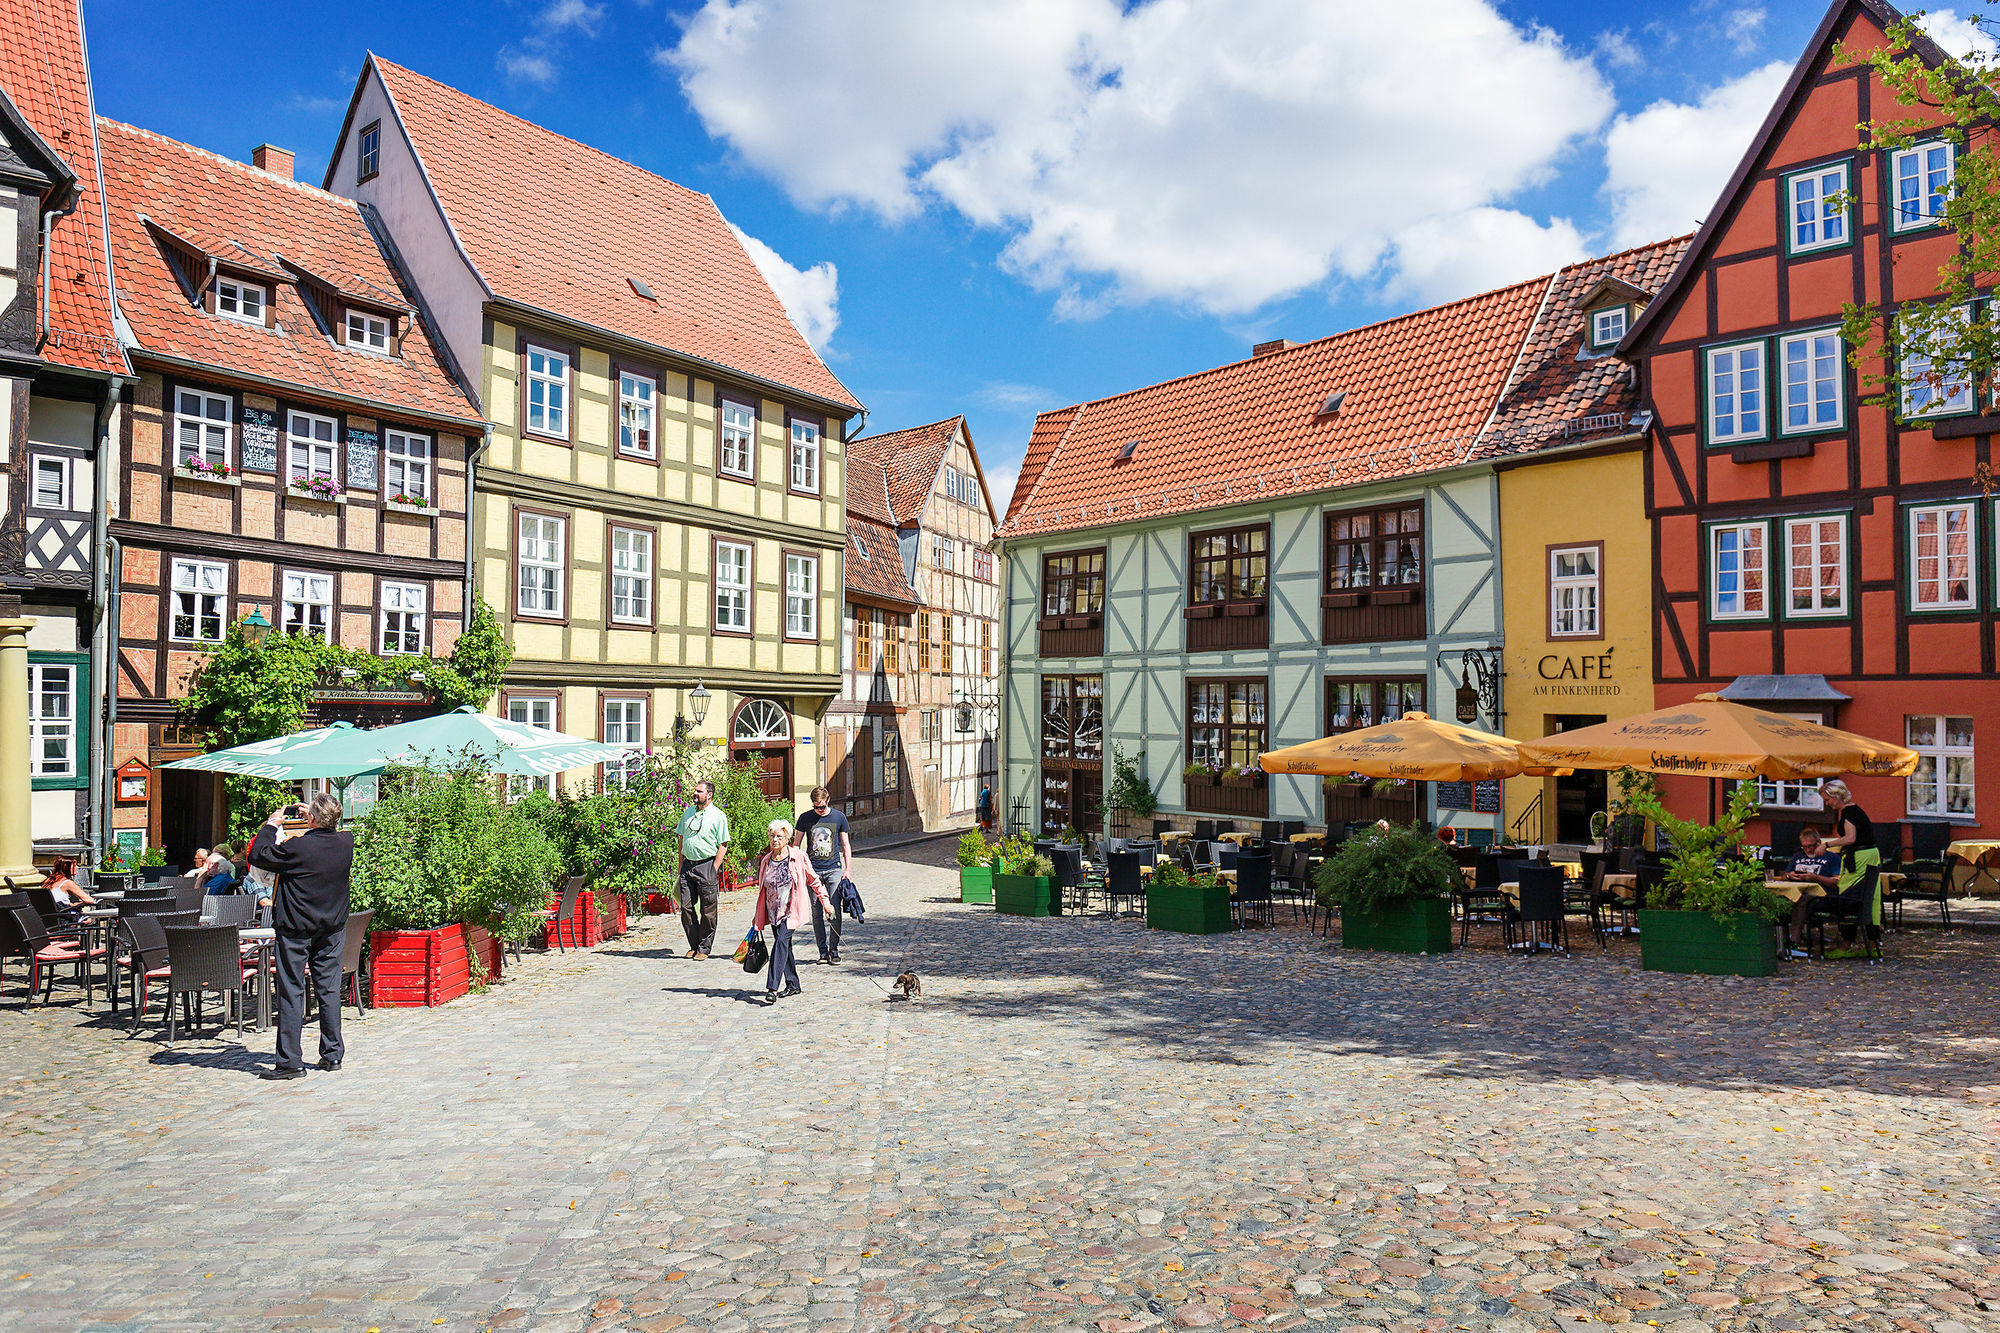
[1853,835]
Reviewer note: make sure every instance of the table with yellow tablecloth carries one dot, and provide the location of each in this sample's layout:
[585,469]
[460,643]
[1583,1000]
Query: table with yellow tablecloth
[1973,851]
[1308,837]
[1238,838]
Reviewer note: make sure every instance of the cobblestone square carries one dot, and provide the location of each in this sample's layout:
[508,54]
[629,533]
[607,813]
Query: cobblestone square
[1081,1125]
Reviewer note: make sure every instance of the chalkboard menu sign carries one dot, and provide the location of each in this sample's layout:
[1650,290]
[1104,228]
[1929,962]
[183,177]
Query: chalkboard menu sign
[260,440]
[362,451]
[1483,797]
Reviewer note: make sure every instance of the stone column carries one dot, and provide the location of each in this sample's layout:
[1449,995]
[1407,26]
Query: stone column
[17,844]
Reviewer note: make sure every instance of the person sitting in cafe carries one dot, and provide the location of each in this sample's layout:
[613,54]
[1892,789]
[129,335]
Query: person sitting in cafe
[1448,836]
[61,881]
[1815,864]
[223,876]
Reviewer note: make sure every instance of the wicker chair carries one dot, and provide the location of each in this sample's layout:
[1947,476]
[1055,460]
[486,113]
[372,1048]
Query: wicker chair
[1122,881]
[27,938]
[228,909]
[200,960]
[1540,910]
[1856,907]
[144,962]
[1921,882]
[1253,888]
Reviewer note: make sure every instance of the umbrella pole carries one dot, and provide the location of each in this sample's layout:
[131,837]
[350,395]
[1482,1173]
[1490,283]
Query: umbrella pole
[1711,802]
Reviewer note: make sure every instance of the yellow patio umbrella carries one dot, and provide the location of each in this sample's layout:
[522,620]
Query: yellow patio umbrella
[1714,738]
[1416,745]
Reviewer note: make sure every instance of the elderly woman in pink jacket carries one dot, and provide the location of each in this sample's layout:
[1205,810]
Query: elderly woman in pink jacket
[784,879]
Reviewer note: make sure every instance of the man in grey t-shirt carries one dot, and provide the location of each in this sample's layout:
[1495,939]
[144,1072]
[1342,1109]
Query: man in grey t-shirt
[823,832]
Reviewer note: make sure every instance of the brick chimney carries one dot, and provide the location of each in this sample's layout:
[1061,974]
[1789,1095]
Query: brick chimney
[1276,345]
[271,158]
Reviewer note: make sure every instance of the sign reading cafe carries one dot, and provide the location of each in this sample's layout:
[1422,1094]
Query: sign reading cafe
[1574,673]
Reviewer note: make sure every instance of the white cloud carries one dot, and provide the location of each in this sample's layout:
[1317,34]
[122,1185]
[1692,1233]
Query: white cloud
[527,66]
[572,14]
[1014,397]
[811,296]
[1961,37]
[536,57]
[1001,478]
[1665,166]
[1618,50]
[1744,27]
[1442,259]
[1217,156]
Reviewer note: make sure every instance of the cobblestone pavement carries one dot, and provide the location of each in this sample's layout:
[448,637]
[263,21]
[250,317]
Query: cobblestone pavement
[1080,1126]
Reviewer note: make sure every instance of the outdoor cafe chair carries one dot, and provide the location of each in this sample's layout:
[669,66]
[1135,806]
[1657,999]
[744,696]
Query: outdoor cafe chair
[1068,860]
[187,895]
[27,938]
[1929,838]
[1270,830]
[1538,918]
[201,960]
[1122,882]
[1923,882]
[1227,854]
[1205,830]
[1291,828]
[1253,888]
[1652,876]
[1856,907]
[1483,899]
[561,917]
[351,946]
[228,909]
[56,921]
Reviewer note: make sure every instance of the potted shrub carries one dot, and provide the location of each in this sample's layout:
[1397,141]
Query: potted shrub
[1188,904]
[1713,915]
[1393,887]
[975,868]
[1026,882]
[1127,790]
[1200,775]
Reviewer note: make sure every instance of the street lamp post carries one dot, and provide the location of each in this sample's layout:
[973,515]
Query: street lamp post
[255,628]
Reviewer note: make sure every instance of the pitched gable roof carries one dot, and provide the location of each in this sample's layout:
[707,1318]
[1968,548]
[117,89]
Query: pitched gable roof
[555,225]
[1835,22]
[46,73]
[874,564]
[164,195]
[908,461]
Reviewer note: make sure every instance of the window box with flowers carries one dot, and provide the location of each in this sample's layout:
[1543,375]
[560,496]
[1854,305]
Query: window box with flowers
[401,503]
[196,469]
[323,489]
[1243,777]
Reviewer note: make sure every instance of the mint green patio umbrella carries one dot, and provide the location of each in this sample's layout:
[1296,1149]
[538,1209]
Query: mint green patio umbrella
[339,751]
[346,751]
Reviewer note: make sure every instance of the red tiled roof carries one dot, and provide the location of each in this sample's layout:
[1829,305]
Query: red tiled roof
[867,489]
[908,460]
[557,225]
[1419,390]
[45,72]
[1493,374]
[253,219]
[874,561]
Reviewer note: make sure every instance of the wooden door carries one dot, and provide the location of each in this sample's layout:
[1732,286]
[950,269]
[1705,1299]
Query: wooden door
[774,771]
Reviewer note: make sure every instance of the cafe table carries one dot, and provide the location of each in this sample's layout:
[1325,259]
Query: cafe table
[1623,886]
[1239,839]
[1974,851]
[260,942]
[102,922]
[1308,837]
[1177,835]
[1792,890]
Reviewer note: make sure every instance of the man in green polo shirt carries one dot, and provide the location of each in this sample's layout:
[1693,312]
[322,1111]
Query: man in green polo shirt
[704,840]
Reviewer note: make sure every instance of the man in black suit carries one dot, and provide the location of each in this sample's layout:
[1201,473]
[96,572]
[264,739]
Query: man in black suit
[309,910]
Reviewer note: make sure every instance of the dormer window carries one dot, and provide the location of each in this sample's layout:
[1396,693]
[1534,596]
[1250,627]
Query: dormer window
[369,332]
[240,301]
[1607,327]
[369,160]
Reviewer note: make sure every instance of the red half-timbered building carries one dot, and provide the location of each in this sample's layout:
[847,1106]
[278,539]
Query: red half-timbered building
[1814,553]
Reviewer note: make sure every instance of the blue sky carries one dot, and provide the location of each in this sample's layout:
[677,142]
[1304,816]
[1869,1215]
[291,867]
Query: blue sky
[1026,203]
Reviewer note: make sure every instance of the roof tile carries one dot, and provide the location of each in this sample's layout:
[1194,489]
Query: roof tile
[875,561]
[908,461]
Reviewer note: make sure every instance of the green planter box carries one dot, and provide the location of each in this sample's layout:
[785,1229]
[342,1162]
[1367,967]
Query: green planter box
[975,884]
[1026,895]
[1416,925]
[1188,910]
[1744,945]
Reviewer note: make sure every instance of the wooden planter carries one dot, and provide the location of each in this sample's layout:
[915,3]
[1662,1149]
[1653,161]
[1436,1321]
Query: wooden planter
[657,904]
[1189,910]
[975,884]
[595,922]
[610,913]
[421,969]
[1026,895]
[1415,925]
[1743,945]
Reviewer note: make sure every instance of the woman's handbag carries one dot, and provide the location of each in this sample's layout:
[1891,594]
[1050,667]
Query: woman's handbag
[752,953]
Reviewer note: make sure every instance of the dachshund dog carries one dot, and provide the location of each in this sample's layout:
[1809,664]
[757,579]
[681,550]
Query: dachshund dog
[912,988]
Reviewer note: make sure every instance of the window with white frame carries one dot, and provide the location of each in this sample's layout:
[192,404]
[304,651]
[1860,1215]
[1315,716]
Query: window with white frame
[1737,566]
[51,720]
[805,456]
[732,588]
[801,597]
[636,403]
[941,553]
[367,331]
[312,444]
[240,301]
[1932,388]
[51,482]
[1816,565]
[739,437]
[1942,783]
[1789,793]
[201,428]
[1816,208]
[982,564]
[1607,327]
[1736,393]
[369,160]
[632,576]
[403,612]
[307,606]
[537,711]
[1576,586]
[1942,574]
[548,391]
[200,591]
[1814,372]
[624,724]
[406,467]
[538,565]
[1920,178]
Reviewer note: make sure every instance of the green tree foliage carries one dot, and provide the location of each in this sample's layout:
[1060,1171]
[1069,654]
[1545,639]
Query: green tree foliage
[442,847]
[622,838]
[1128,789]
[1706,871]
[245,692]
[1954,101]
[750,812]
[1382,866]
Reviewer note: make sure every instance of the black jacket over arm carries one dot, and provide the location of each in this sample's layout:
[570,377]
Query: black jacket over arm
[313,869]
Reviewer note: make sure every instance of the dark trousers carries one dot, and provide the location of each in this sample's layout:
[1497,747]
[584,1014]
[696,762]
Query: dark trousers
[322,954]
[699,888]
[784,968]
[826,924]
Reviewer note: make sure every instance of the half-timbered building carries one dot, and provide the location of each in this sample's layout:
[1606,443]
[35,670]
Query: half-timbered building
[867,726]
[295,447]
[1815,552]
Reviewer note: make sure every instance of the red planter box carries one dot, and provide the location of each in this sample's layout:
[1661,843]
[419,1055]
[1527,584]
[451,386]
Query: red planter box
[656,904]
[593,924]
[421,969]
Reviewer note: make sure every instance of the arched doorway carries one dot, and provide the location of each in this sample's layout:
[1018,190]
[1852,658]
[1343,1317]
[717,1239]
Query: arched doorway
[761,733]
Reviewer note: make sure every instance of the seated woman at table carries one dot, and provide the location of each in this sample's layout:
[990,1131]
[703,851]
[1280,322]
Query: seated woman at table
[224,876]
[1814,864]
[61,881]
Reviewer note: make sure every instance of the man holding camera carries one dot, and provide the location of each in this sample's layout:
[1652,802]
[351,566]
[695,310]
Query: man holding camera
[309,910]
